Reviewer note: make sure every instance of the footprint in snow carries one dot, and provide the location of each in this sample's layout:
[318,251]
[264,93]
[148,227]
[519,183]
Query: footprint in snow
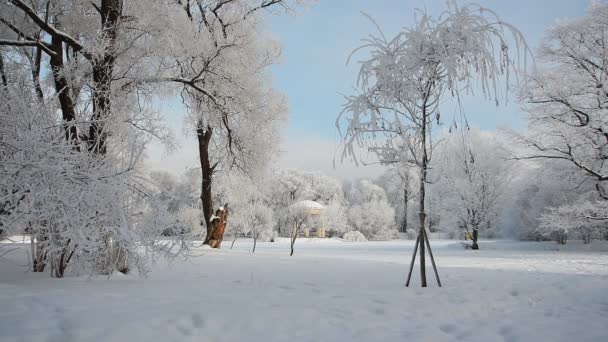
[187,326]
[379,301]
[379,311]
[447,328]
[506,331]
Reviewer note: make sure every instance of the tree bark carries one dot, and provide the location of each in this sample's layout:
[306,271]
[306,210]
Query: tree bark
[204,138]
[62,89]
[422,213]
[475,234]
[293,238]
[405,200]
[36,73]
[103,68]
[3,73]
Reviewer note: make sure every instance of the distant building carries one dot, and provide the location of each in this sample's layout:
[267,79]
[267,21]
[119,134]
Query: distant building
[316,210]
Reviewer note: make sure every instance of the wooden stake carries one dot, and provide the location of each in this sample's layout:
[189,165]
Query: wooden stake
[409,276]
[428,245]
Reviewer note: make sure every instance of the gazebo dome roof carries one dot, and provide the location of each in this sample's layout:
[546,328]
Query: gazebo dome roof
[308,205]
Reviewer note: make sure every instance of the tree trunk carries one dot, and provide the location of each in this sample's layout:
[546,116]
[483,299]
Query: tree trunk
[422,213]
[39,250]
[36,73]
[103,68]
[2,72]
[255,240]
[475,234]
[62,89]
[294,235]
[204,138]
[405,200]
[233,240]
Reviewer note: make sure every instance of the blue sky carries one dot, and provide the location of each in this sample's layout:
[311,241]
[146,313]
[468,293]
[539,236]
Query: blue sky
[316,42]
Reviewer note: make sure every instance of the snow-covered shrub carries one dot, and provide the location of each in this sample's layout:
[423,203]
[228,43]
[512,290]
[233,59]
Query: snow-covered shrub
[191,218]
[384,235]
[371,218]
[354,236]
[260,222]
[371,212]
[81,208]
[335,217]
[585,220]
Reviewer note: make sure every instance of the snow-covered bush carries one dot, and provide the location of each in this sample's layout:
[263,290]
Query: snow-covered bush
[384,235]
[372,217]
[191,218]
[585,220]
[335,217]
[354,236]
[259,222]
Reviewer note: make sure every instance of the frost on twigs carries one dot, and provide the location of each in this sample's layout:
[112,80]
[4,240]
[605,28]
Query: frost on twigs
[403,81]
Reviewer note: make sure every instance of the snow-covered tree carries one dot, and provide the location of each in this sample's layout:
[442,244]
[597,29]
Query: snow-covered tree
[567,103]
[335,217]
[584,219]
[79,208]
[370,212]
[291,186]
[260,222]
[404,79]
[298,217]
[225,85]
[398,182]
[475,174]
[87,62]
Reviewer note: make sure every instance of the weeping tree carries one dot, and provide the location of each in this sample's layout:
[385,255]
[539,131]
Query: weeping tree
[403,80]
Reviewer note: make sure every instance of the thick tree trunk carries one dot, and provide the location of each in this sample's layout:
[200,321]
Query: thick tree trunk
[475,234]
[62,89]
[103,68]
[204,138]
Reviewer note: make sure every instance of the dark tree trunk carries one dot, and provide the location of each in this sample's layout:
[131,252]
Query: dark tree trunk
[3,73]
[204,138]
[405,200]
[475,234]
[36,73]
[62,89]
[103,68]
[294,236]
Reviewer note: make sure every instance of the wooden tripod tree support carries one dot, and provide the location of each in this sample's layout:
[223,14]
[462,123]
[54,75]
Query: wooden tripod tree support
[421,241]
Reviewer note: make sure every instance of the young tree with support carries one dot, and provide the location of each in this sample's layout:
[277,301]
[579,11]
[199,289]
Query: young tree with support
[401,84]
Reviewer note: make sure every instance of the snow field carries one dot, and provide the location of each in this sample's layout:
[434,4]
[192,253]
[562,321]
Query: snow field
[328,291]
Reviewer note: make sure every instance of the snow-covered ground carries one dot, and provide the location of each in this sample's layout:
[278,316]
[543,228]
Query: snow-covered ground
[328,291]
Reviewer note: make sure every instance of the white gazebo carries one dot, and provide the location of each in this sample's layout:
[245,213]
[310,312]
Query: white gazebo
[315,210]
